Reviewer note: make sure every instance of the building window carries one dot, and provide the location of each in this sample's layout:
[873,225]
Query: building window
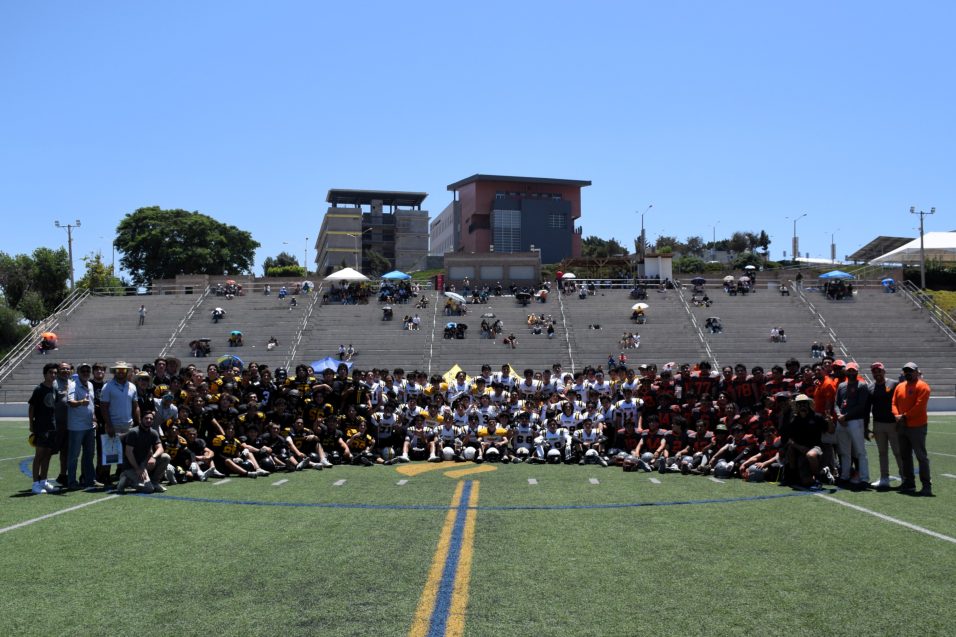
[506,226]
[558,220]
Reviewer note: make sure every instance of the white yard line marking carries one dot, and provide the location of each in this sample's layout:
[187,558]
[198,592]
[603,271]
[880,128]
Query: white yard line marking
[16,458]
[888,518]
[532,481]
[19,525]
[338,483]
[594,481]
[655,481]
[402,483]
[937,453]
[713,479]
[949,475]
[280,482]
[222,481]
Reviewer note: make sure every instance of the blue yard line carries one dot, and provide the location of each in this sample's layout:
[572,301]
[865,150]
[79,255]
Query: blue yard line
[439,616]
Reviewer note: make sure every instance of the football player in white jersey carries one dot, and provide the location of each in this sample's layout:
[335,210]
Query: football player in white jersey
[505,378]
[628,409]
[529,386]
[588,439]
[523,438]
[418,440]
[553,445]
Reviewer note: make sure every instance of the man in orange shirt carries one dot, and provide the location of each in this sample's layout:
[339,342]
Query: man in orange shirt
[910,399]
[829,376]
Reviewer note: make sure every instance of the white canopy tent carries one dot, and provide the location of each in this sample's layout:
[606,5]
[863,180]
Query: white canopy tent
[939,246]
[346,274]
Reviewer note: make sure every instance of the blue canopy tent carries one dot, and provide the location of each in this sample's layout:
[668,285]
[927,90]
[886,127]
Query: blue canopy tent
[329,363]
[837,274]
[395,274]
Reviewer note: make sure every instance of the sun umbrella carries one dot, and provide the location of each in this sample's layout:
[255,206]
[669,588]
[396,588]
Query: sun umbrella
[698,280]
[231,282]
[744,279]
[49,336]
[888,281]
[729,278]
[523,295]
[488,315]
[750,267]
[329,363]
[308,284]
[569,275]
[713,318]
[451,325]
[836,274]
[395,274]
[458,298]
[229,359]
[640,306]
[235,333]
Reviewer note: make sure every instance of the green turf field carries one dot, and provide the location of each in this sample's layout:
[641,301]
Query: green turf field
[582,551]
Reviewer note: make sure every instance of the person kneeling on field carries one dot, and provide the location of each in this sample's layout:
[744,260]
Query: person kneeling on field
[801,444]
[146,460]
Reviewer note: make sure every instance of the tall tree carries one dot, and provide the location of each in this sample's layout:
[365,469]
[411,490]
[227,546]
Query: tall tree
[739,242]
[159,244]
[281,260]
[596,247]
[694,246]
[377,262]
[45,274]
[666,241]
[99,276]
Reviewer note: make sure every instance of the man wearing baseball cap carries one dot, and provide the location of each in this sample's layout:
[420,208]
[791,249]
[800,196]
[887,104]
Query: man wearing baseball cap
[884,423]
[852,407]
[910,399]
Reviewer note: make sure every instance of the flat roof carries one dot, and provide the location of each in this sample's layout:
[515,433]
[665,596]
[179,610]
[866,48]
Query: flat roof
[525,180]
[338,196]
[878,247]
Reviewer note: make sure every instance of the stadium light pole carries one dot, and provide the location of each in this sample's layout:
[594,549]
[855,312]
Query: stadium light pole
[833,246]
[69,241]
[713,241]
[796,242]
[356,235]
[922,250]
[305,257]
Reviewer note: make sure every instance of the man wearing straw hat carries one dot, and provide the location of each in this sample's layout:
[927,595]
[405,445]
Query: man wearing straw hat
[118,404]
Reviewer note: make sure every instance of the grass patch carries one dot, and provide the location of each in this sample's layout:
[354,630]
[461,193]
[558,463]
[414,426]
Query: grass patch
[356,564]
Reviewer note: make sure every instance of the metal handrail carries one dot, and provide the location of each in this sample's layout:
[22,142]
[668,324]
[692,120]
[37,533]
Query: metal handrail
[303,324]
[27,344]
[937,315]
[567,332]
[182,324]
[799,292]
[700,332]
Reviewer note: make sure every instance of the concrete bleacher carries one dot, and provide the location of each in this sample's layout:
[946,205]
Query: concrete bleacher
[890,328]
[668,335]
[378,343]
[536,351]
[257,316]
[747,320]
[873,326]
[105,329]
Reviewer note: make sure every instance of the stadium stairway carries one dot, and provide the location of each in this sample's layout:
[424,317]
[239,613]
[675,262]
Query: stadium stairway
[747,321]
[257,316]
[105,329]
[668,335]
[536,351]
[891,328]
[378,343]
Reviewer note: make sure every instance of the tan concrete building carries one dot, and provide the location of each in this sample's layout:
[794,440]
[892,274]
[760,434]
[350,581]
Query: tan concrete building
[391,223]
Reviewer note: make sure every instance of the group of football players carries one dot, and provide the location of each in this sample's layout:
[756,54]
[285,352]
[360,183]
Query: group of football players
[250,421]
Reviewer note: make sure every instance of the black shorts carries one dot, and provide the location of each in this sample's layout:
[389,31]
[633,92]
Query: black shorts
[49,439]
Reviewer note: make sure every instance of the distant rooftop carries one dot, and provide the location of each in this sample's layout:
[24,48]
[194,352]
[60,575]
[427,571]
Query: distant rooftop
[878,247]
[339,197]
[524,180]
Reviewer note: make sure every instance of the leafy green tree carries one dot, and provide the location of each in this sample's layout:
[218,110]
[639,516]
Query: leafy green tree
[31,306]
[688,263]
[665,241]
[99,276]
[159,244]
[286,271]
[596,247]
[694,246]
[377,263]
[11,331]
[45,273]
[739,242]
[281,260]
[747,258]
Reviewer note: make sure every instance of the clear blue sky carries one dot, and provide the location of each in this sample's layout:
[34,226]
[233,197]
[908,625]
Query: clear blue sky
[739,114]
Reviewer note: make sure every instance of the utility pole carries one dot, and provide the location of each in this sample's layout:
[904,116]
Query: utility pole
[305,257]
[69,241]
[922,251]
